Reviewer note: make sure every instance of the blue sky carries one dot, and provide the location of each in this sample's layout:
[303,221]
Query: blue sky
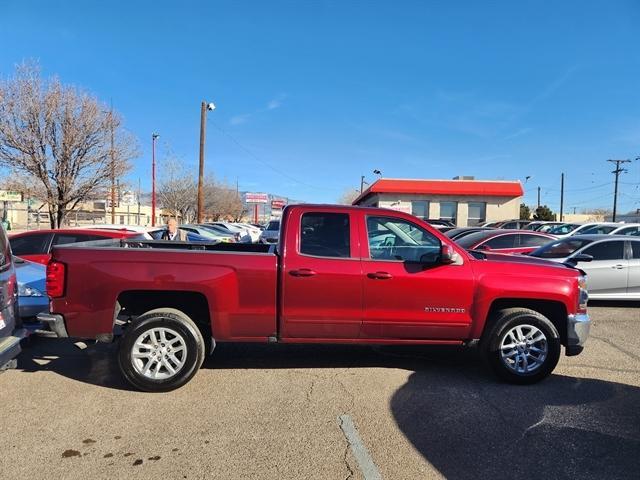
[313,94]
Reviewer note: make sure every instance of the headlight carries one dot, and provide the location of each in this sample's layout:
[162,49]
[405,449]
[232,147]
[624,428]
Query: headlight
[25,290]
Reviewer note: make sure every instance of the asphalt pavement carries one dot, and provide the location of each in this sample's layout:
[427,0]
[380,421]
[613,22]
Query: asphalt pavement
[327,412]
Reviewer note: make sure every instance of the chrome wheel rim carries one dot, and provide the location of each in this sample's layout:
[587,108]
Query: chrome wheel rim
[524,349]
[159,353]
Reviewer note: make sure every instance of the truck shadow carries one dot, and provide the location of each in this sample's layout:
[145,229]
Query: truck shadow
[615,303]
[471,427]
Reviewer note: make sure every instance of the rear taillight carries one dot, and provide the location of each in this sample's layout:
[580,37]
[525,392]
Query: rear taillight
[55,279]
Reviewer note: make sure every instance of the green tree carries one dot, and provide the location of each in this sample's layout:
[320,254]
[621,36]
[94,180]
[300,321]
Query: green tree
[525,212]
[544,213]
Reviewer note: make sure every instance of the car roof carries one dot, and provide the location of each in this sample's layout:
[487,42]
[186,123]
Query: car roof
[87,231]
[598,236]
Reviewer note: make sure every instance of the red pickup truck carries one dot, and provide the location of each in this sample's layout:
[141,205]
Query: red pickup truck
[339,274]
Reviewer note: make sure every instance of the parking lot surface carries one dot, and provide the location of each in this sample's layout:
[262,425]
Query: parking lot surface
[283,411]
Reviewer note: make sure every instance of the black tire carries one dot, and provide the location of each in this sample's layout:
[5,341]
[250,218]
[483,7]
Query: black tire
[171,320]
[506,369]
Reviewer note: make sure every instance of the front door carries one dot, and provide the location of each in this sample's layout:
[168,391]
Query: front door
[408,292]
[321,276]
[608,272]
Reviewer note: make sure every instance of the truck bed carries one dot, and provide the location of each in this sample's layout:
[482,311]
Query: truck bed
[231,286]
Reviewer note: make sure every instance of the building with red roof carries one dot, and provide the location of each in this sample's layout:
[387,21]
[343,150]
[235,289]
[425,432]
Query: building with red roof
[463,200]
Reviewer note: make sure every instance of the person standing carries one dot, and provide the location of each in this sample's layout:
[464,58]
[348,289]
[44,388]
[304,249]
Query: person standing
[173,233]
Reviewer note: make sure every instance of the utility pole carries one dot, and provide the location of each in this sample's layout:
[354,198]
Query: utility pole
[154,137]
[362,183]
[204,106]
[561,195]
[617,173]
[138,217]
[538,197]
[113,171]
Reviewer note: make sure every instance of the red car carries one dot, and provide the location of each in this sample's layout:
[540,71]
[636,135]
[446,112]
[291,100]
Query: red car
[36,245]
[505,241]
[339,274]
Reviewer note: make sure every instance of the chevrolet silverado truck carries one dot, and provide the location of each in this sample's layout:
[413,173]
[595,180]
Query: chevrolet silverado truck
[339,274]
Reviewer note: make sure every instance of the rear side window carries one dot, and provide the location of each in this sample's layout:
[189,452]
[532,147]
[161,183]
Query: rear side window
[633,231]
[5,252]
[65,238]
[533,240]
[606,251]
[325,234]
[36,244]
[503,241]
[635,250]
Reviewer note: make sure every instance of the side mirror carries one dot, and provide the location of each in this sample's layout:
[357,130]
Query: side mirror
[447,254]
[483,248]
[581,257]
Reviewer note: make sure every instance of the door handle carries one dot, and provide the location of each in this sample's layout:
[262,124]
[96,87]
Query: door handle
[380,275]
[618,267]
[303,272]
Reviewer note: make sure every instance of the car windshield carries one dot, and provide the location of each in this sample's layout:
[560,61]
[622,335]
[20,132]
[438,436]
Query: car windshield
[598,229]
[468,241]
[274,225]
[563,229]
[560,249]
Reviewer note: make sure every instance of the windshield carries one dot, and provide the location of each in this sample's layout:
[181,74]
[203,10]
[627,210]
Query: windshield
[560,249]
[469,241]
[598,229]
[273,225]
[563,229]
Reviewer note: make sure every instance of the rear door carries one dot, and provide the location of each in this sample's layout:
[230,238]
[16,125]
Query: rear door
[608,272]
[321,275]
[408,293]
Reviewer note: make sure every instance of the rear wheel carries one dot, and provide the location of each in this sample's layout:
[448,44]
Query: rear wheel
[161,351]
[522,346]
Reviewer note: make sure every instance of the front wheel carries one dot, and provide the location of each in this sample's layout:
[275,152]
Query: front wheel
[161,351]
[522,346]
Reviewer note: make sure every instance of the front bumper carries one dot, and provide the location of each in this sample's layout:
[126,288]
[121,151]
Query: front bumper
[578,326]
[55,322]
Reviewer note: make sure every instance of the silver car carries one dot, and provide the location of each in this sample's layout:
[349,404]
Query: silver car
[271,233]
[611,262]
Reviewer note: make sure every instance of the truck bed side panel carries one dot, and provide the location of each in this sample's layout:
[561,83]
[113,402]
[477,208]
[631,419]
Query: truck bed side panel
[240,288]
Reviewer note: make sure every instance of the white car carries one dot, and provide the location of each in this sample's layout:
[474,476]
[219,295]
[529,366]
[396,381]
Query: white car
[632,229]
[570,229]
[254,232]
[243,233]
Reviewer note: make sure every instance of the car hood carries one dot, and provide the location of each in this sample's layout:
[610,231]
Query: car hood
[522,259]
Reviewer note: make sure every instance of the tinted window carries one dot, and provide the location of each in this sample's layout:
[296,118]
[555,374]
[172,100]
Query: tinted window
[533,240]
[65,238]
[634,231]
[635,249]
[597,230]
[606,251]
[509,225]
[560,249]
[394,239]
[503,241]
[325,234]
[5,254]
[420,208]
[30,244]
[472,239]
[273,225]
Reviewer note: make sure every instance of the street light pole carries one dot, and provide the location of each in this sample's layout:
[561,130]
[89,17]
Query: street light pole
[154,136]
[204,106]
[113,171]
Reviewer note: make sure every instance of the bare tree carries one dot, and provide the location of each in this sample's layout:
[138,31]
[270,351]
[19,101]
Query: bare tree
[348,196]
[177,189]
[221,200]
[62,139]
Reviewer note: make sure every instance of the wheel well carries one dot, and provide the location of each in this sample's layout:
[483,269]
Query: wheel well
[133,303]
[556,312]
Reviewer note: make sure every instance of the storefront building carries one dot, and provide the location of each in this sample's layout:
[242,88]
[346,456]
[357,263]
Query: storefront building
[463,200]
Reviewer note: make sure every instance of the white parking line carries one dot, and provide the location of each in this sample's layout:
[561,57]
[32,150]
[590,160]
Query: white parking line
[360,452]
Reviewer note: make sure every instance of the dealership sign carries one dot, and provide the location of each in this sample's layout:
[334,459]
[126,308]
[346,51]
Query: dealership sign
[278,204]
[9,196]
[256,198]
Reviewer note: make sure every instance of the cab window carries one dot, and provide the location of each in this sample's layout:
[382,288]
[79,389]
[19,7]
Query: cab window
[325,234]
[396,239]
[36,244]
